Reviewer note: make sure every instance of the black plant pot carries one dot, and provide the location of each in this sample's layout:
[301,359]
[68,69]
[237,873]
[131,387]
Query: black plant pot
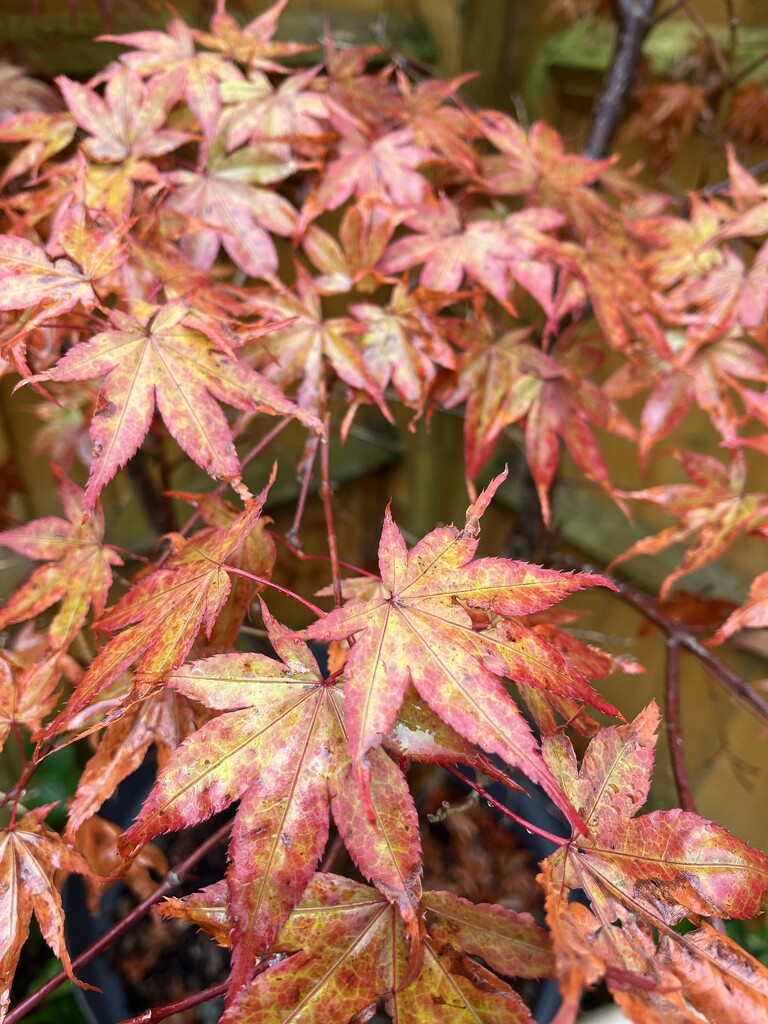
[110,1004]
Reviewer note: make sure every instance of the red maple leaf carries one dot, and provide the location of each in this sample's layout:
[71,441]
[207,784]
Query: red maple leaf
[279,745]
[159,356]
[714,506]
[492,253]
[78,573]
[420,631]
[30,854]
[342,947]
[161,615]
[643,873]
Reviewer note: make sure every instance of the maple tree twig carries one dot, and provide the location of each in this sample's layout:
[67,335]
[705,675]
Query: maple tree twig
[174,877]
[309,459]
[634,21]
[325,494]
[260,445]
[675,738]
[747,70]
[161,1012]
[672,9]
[754,170]
[713,45]
[20,744]
[333,852]
[672,718]
[304,557]
[527,825]
[652,611]
[732,19]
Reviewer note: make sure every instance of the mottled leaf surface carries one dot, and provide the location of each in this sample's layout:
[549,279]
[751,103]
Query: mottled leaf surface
[644,873]
[421,631]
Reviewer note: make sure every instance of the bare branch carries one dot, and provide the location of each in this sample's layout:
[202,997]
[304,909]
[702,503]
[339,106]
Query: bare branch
[634,20]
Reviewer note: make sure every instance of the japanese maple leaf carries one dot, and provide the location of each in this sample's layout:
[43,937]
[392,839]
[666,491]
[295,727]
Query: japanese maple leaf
[164,720]
[127,123]
[359,97]
[489,252]
[48,289]
[497,385]
[173,52]
[78,573]
[753,614]
[255,557]
[403,344]
[713,505]
[705,376]
[344,951]
[624,305]
[756,408]
[535,164]
[420,631]
[260,112]
[97,843]
[30,855]
[157,357]
[510,379]
[126,127]
[438,123]
[566,407]
[21,92]
[45,136]
[226,209]
[387,167]
[666,115]
[350,263]
[29,677]
[87,237]
[279,746]
[647,872]
[310,344]
[161,615]
[253,45]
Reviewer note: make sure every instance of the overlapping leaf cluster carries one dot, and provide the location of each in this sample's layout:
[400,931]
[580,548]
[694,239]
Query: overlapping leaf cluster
[173,241]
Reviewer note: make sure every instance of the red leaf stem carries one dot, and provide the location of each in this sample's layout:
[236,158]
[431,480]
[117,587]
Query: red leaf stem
[162,1012]
[527,825]
[275,586]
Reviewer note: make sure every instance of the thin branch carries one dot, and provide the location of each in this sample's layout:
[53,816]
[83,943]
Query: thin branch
[330,526]
[722,186]
[304,557]
[634,20]
[527,825]
[161,1012]
[275,586]
[309,461]
[672,718]
[672,9]
[173,879]
[747,70]
[732,19]
[334,851]
[725,675]
[714,47]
